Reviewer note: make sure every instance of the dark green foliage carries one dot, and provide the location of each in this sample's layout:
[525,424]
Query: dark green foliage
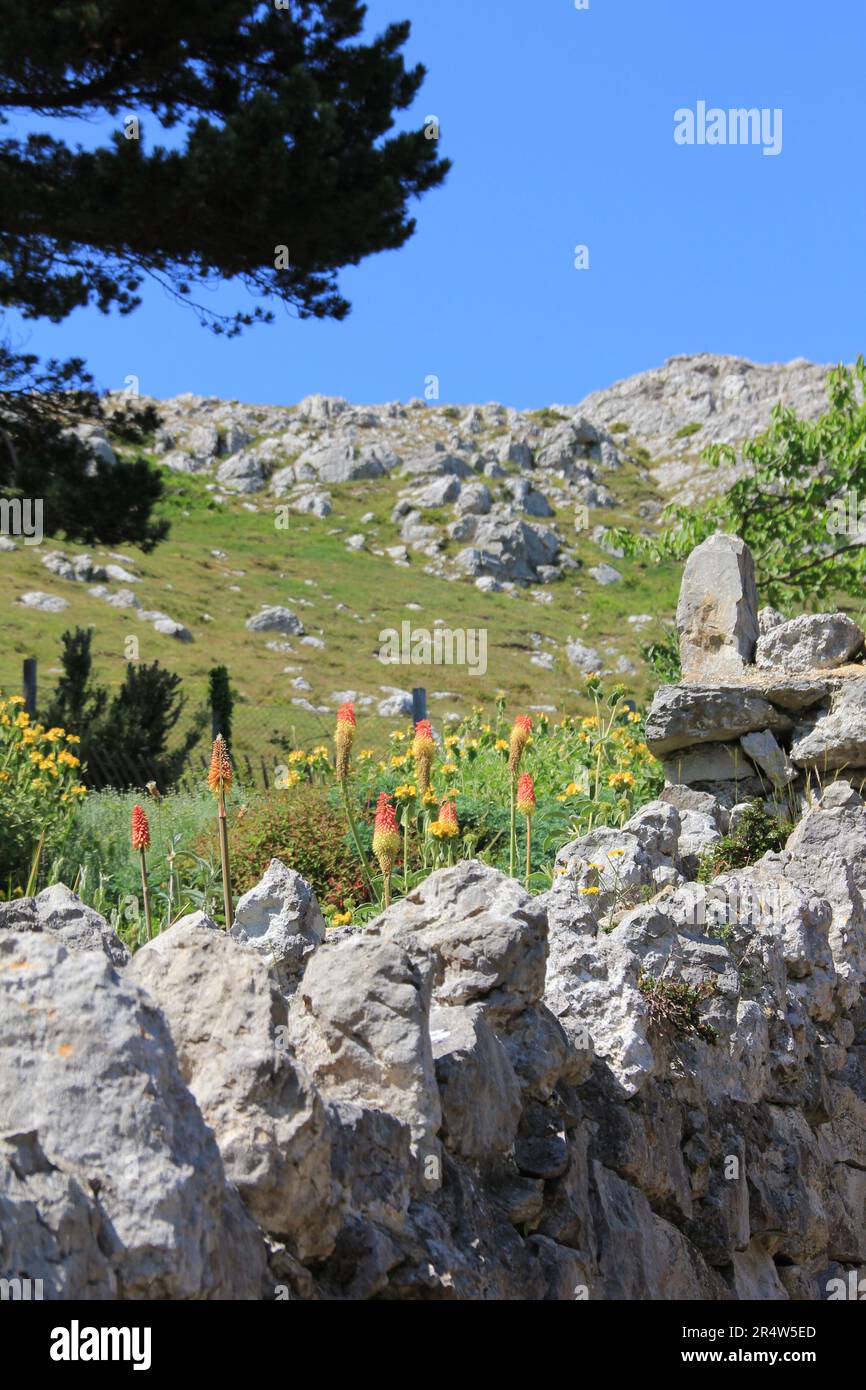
[221,701]
[75,703]
[284,122]
[84,499]
[757,832]
[124,740]
[686,432]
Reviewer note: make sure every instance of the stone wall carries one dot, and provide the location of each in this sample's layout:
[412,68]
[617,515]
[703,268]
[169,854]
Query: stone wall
[765,707]
[474,1098]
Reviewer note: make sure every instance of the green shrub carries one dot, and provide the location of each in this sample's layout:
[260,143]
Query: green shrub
[688,430]
[756,833]
[305,828]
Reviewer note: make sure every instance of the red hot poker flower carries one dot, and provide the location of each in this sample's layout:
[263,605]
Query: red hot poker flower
[344,737]
[140,829]
[525,795]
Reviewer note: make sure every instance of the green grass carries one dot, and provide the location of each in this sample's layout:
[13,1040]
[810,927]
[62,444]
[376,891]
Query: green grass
[308,563]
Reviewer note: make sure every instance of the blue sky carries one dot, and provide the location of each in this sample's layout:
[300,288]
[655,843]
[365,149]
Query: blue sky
[560,123]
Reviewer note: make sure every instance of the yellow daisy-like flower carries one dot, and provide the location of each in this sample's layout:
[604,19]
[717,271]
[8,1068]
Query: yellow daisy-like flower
[72,738]
[615,853]
[5,776]
[448,768]
[430,795]
[590,890]
[365,755]
[399,760]
[501,745]
[68,758]
[341,919]
[451,741]
[54,734]
[406,792]
[297,755]
[634,716]
[16,700]
[397,735]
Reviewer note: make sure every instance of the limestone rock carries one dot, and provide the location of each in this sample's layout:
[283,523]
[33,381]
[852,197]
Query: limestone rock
[834,738]
[717,613]
[479,1089]
[60,912]
[359,1023]
[481,934]
[228,1026]
[275,619]
[280,918]
[812,642]
[112,1152]
[681,715]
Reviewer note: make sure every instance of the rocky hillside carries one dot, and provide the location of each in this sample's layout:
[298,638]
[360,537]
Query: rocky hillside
[636,1085]
[300,533]
[690,402]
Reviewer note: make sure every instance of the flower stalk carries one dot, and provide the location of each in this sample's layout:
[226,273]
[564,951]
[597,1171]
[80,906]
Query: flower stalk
[344,737]
[525,803]
[220,781]
[386,841]
[141,842]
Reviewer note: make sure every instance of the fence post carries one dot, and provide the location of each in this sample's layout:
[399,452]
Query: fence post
[30,685]
[419,703]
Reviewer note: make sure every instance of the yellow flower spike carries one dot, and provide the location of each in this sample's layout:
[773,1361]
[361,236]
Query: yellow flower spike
[344,737]
[219,777]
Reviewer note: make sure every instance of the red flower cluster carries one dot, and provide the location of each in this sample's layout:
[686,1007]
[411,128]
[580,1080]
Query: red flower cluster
[140,829]
[525,794]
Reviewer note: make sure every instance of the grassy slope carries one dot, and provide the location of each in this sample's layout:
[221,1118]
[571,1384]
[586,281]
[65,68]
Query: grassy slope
[306,561]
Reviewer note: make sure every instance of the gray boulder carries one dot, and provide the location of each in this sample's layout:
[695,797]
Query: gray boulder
[61,913]
[681,715]
[359,1024]
[104,1144]
[812,642]
[835,737]
[227,1021]
[275,619]
[242,473]
[280,918]
[717,613]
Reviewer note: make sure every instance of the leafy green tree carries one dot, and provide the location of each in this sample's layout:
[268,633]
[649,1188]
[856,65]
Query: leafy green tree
[797,504]
[284,168]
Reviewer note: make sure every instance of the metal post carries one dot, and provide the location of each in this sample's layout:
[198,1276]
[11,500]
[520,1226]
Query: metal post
[419,703]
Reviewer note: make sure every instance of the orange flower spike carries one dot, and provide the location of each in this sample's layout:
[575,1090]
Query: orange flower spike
[520,735]
[423,749]
[344,737]
[386,836]
[525,795]
[448,815]
[140,829]
[219,778]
